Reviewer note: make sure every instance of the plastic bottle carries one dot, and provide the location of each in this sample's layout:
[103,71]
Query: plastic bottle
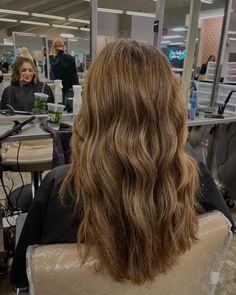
[193,109]
[58,91]
[77,100]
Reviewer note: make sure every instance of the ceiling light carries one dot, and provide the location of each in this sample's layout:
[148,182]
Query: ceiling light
[10,20]
[34,23]
[64,35]
[179,29]
[64,27]
[117,11]
[14,12]
[232,32]
[48,16]
[73,40]
[77,20]
[232,39]
[176,43]
[207,1]
[165,42]
[172,37]
[153,15]
[85,29]
[212,13]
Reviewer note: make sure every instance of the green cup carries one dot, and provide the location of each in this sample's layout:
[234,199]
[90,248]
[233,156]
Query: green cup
[54,114]
[40,100]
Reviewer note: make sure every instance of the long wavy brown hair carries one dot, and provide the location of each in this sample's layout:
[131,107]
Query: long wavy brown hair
[134,184]
[15,77]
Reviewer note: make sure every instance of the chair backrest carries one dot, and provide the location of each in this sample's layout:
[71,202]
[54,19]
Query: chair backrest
[56,269]
[33,155]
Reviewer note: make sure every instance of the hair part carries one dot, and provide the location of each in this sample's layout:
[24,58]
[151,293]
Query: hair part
[134,185]
[15,77]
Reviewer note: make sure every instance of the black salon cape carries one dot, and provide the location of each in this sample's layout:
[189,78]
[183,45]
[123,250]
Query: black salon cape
[21,97]
[48,222]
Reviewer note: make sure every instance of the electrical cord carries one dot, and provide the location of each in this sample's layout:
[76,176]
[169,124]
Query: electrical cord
[22,180]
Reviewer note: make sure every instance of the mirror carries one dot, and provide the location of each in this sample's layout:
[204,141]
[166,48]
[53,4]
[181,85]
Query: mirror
[37,46]
[36,24]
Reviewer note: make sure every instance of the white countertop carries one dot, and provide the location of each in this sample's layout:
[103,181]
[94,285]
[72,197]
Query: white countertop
[32,130]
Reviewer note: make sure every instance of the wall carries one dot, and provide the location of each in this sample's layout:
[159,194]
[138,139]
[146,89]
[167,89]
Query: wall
[142,28]
[107,24]
[209,39]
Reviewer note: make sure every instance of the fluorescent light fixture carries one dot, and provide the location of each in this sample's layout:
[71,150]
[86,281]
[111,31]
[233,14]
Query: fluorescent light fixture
[176,43]
[73,40]
[232,39]
[211,13]
[48,16]
[153,15]
[179,29]
[77,20]
[165,42]
[34,23]
[231,32]
[65,35]
[207,1]
[9,20]
[64,27]
[172,37]
[85,29]
[14,12]
[117,11]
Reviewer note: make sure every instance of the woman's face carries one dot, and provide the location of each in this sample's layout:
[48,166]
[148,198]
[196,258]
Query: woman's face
[26,73]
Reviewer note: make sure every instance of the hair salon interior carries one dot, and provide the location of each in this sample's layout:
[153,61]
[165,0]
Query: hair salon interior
[199,39]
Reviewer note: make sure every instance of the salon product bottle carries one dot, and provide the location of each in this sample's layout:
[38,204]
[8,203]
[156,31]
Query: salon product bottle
[77,100]
[58,91]
[193,102]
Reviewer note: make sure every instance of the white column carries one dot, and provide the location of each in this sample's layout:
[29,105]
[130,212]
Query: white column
[160,9]
[93,28]
[195,7]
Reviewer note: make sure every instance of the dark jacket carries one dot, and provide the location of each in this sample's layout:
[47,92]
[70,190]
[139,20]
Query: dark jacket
[21,97]
[48,222]
[63,67]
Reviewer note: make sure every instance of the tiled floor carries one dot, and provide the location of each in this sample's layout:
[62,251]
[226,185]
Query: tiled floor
[225,286]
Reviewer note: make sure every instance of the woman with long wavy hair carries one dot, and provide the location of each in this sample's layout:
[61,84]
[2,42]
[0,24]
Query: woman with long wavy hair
[133,180]
[129,192]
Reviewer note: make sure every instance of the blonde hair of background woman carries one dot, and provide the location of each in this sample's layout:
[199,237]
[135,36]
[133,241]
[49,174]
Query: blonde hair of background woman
[134,185]
[25,53]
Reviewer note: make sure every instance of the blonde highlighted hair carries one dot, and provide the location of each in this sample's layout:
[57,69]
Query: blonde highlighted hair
[133,183]
[25,53]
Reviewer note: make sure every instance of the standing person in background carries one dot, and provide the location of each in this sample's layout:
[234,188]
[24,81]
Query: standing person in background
[64,68]
[25,53]
[24,83]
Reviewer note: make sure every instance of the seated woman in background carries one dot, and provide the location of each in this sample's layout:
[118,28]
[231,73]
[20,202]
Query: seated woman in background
[130,189]
[24,83]
[203,69]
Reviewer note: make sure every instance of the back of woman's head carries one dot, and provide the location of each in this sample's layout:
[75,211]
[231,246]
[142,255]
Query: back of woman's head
[25,53]
[134,183]
[20,61]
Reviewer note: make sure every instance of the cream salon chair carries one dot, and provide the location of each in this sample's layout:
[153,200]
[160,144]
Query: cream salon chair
[33,156]
[57,269]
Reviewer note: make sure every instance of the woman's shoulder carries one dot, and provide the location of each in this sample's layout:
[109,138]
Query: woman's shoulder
[58,174]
